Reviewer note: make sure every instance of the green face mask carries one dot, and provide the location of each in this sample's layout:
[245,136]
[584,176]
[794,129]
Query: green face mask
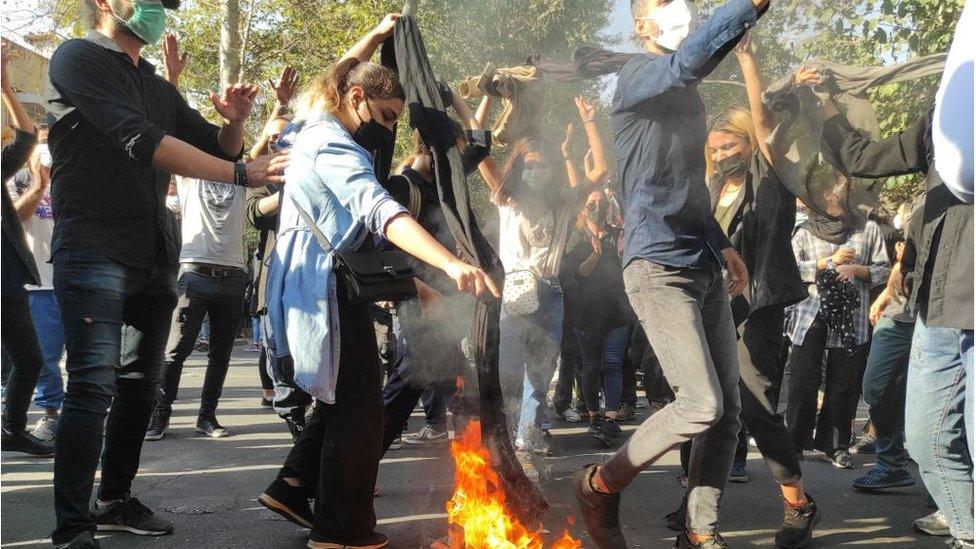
[148,21]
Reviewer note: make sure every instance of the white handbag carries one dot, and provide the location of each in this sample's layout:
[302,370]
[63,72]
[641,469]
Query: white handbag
[521,293]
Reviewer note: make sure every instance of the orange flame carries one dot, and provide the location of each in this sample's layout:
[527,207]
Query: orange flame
[478,506]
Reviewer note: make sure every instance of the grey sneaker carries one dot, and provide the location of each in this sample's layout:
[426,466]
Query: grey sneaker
[933,525]
[428,435]
[46,427]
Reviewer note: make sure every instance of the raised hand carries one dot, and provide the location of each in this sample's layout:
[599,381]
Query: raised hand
[587,111]
[568,141]
[235,104]
[385,28]
[285,86]
[4,59]
[173,61]
[807,76]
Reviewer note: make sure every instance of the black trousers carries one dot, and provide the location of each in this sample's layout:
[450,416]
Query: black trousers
[20,342]
[570,369]
[761,369]
[844,374]
[201,295]
[338,452]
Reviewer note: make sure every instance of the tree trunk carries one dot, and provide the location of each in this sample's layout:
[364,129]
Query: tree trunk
[230,42]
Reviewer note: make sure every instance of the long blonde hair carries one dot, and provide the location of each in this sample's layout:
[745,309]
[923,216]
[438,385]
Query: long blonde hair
[736,121]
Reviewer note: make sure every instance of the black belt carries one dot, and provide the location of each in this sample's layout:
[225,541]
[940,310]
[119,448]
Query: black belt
[213,271]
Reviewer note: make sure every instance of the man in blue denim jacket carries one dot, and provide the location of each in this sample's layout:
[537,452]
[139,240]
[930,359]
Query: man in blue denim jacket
[674,252]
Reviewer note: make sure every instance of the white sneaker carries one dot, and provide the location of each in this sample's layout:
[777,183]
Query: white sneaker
[933,525]
[46,427]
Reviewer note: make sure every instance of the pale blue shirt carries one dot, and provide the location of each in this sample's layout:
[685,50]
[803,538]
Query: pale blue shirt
[332,178]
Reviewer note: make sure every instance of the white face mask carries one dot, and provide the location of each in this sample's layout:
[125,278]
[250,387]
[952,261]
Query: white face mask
[676,21]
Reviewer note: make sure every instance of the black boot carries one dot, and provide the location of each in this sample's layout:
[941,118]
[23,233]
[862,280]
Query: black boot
[798,523]
[601,512]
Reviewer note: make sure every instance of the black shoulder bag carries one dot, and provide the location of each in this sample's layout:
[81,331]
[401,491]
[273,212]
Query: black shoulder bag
[368,277]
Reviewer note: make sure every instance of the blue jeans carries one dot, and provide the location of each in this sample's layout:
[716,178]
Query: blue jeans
[528,347]
[884,390]
[938,420]
[603,357]
[50,334]
[116,319]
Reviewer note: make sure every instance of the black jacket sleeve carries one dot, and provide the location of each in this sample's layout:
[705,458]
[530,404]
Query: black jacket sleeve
[16,153]
[901,153]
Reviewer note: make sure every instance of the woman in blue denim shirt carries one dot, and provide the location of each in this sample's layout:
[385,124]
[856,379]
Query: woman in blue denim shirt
[348,111]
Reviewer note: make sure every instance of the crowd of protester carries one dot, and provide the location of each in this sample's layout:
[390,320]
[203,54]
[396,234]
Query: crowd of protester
[684,264]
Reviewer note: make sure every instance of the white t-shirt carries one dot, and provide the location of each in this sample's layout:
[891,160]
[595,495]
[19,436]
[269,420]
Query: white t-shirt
[212,217]
[536,243]
[38,229]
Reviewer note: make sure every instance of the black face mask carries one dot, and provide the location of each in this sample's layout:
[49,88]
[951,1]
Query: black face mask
[733,165]
[371,135]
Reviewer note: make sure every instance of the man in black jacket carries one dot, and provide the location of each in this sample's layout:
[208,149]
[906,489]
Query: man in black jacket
[118,130]
[938,267]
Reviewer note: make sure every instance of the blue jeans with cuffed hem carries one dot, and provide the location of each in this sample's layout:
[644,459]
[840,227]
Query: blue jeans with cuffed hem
[527,351]
[938,420]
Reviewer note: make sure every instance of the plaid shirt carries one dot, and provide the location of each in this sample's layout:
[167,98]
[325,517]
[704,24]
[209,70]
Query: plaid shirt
[868,245]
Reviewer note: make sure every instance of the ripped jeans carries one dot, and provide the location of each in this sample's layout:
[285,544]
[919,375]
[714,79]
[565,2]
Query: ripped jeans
[116,320]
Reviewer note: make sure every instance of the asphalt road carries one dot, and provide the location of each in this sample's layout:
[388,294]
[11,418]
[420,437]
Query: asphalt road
[207,488]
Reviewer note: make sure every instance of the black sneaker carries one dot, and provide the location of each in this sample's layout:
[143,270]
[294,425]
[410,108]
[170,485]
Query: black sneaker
[266,402]
[83,540]
[714,542]
[675,520]
[598,431]
[611,427]
[601,512]
[26,443]
[158,424]
[626,413]
[130,516]
[288,501]
[375,540]
[798,524]
[207,425]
